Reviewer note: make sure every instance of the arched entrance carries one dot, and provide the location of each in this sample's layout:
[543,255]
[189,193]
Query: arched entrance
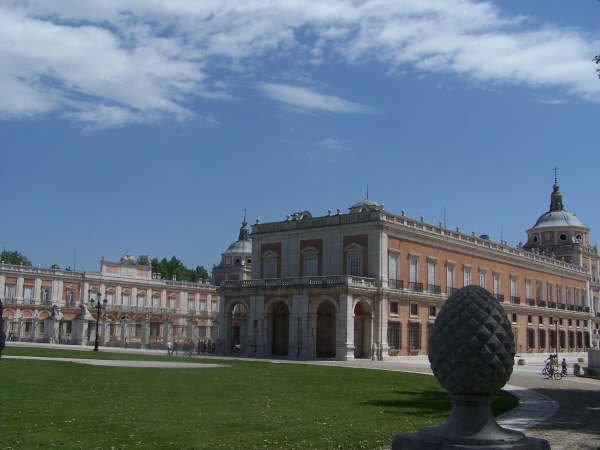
[362,330]
[280,323]
[237,330]
[326,330]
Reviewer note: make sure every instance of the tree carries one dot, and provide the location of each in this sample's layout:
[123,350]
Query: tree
[143,260]
[597,61]
[14,257]
[167,268]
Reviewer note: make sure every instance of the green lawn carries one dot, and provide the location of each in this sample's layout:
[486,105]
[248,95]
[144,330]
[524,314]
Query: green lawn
[245,405]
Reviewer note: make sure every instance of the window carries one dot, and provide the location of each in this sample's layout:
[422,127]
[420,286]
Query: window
[155,301]
[539,291]
[414,336]
[45,295]
[483,278]
[110,298]
[529,319]
[70,297]
[414,309]
[550,292]
[413,270]
[541,320]
[270,264]
[432,311]
[432,272]
[514,287]
[27,292]
[569,296]
[514,317]
[530,338]
[355,260]
[541,338]
[570,322]
[528,289]
[394,308]
[141,300]
[577,296]
[310,263]
[466,276]
[393,266]
[559,294]
[10,291]
[394,341]
[125,299]
[497,287]
[450,278]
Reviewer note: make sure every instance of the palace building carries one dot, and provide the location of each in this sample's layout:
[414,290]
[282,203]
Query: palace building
[369,284]
[142,310]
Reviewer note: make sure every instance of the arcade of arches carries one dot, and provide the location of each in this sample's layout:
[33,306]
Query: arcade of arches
[300,327]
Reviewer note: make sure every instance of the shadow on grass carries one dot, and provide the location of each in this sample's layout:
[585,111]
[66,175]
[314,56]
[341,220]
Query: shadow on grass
[434,402]
[425,402]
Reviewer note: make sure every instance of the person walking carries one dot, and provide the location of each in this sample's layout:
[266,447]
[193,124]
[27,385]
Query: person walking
[2,340]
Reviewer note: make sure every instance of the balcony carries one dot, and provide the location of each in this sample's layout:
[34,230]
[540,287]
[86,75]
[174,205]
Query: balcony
[570,307]
[530,302]
[499,297]
[301,283]
[415,286]
[395,284]
[70,303]
[451,290]
[515,300]
[434,288]
[551,304]
[579,308]
[586,309]
[562,306]
[541,303]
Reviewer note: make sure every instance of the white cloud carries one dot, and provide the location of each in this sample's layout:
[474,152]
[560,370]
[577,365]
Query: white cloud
[304,98]
[333,144]
[128,61]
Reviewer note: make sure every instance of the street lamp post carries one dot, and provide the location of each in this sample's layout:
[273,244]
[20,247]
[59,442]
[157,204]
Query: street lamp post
[99,305]
[556,340]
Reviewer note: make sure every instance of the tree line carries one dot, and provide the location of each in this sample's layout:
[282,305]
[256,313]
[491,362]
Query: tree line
[167,268]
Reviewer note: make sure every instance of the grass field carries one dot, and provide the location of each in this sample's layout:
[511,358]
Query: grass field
[245,405]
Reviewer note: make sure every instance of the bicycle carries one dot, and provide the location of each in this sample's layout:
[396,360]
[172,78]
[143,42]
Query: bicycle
[550,372]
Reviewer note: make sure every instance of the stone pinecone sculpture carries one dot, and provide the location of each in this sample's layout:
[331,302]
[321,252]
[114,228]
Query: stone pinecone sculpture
[472,346]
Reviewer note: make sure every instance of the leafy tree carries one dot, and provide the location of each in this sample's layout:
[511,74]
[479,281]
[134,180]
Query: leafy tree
[169,267]
[143,260]
[597,61]
[14,257]
[55,266]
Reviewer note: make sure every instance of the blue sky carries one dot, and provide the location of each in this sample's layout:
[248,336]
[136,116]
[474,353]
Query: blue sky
[148,126]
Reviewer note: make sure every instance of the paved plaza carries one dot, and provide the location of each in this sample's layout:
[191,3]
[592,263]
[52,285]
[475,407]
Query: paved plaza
[565,412]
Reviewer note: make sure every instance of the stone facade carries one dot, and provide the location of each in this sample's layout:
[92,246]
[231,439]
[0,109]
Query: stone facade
[369,284]
[142,310]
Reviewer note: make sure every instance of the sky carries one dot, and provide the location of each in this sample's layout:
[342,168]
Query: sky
[149,126]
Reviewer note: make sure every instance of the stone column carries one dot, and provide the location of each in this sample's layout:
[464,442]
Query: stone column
[384,309]
[345,328]
[146,332]
[37,290]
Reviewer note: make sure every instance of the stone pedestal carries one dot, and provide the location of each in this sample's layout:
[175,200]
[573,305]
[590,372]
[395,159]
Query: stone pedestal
[471,425]
[471,352]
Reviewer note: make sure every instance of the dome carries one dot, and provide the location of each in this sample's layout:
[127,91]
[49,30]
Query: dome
[366,205]
[557,219]
[244,246]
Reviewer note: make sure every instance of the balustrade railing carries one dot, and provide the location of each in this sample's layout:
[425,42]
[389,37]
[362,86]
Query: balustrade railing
[415,286]
[530,301]
[301,283]
[451,290]
[396,284]
[541,303]
[562,306]
[499,297]
[434,288]
[515,300]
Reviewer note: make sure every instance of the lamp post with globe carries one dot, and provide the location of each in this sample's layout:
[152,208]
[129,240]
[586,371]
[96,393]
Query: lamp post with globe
[99,306]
